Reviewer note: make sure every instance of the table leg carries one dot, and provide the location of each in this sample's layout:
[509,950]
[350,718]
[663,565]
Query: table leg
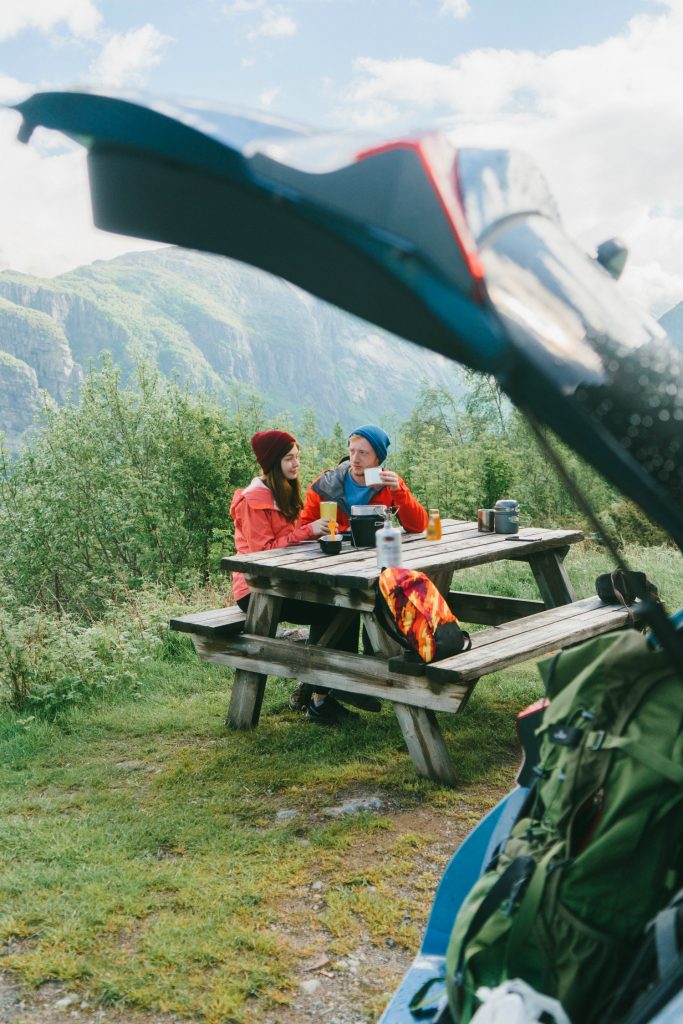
[442,579]
[419,726]
[248,689]
[425,743]
[551,578]
[379,641]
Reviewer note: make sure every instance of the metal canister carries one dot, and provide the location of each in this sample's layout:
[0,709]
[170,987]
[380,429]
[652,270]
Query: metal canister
[485,520]
[506,516]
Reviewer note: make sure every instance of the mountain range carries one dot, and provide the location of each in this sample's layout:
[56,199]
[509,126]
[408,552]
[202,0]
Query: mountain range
[210,323]
[213,324]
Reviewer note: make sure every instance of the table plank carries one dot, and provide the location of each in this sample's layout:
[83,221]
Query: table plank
[489,609]
[357,568]
[359,600]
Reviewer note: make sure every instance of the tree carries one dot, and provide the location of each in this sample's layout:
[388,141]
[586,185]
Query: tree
[132,484]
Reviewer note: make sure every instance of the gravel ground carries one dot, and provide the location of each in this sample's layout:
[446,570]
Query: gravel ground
[351,989]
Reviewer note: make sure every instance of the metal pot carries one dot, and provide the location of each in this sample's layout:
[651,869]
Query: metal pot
[365,521]
[506,515]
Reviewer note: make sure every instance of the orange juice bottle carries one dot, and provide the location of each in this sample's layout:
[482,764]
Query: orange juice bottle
[434,525]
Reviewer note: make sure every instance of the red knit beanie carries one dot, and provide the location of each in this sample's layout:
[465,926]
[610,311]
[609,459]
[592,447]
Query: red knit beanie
[269,446]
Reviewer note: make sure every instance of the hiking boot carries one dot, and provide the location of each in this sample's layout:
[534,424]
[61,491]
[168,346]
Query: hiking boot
[300,697]
[359,700]
[330,712]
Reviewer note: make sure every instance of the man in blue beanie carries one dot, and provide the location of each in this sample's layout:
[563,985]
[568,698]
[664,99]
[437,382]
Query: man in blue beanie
[347,485]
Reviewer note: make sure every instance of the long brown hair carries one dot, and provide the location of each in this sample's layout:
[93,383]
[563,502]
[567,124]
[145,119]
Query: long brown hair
[287,493]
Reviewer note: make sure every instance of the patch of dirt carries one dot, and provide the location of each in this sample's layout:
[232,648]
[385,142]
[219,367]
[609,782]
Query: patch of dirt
[350,989]
[55,1004]
[355,988]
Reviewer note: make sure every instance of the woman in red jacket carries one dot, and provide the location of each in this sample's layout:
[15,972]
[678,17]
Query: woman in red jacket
[267,515]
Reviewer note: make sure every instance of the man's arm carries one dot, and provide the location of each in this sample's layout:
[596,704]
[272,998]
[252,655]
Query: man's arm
[311,509]
[411,515]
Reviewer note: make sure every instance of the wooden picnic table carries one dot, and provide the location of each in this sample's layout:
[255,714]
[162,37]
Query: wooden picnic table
[347,582]
[519,629]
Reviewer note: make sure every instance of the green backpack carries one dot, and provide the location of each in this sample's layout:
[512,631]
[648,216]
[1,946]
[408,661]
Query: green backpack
[597,851]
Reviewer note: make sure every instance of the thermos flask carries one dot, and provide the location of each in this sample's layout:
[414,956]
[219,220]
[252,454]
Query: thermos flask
[506,516]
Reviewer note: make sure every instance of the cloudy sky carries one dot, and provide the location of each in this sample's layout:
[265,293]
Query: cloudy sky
[591,88]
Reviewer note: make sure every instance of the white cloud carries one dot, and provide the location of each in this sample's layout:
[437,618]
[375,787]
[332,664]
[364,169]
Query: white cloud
[11,90]
[268,97]
[242,6]
[458,8]
[80,16]
[276,23]
[602,121]
[45,206]
[654,273]
[126,59]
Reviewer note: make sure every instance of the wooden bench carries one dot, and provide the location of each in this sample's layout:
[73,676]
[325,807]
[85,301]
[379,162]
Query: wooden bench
[529,637]
[415,692]
[214,624]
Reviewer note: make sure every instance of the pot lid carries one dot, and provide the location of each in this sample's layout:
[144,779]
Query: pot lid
[368,510]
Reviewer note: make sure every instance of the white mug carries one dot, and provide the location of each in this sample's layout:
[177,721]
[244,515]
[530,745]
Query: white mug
[372,476]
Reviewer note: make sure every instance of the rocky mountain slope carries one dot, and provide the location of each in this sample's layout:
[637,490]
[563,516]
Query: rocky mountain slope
[211,323]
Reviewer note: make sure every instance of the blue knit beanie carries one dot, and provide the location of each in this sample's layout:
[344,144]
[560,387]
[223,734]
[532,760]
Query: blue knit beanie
[378,438]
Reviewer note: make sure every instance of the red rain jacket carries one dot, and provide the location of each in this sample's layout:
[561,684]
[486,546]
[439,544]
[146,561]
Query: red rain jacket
[330,487]
[260,525]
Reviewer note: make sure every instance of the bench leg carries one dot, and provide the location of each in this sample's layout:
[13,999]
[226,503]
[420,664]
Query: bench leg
[425,743]
[551,578]
[248,689]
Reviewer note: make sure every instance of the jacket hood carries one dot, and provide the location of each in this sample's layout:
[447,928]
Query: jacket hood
[256,495]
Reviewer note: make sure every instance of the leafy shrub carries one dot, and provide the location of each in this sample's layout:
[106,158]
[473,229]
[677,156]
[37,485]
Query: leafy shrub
[128,486]
[630,525]
[50,662]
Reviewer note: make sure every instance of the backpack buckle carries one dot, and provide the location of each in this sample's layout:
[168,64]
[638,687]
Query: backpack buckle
[598,738]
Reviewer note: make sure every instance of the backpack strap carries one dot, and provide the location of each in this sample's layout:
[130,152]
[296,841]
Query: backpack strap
[600,740]
[386,620]
[528,907]
[422,1005]
[507,887]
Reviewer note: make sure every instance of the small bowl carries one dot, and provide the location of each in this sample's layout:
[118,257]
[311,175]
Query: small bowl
[329,546]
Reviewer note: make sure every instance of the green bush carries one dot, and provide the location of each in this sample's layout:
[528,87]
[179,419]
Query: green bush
[630,525]
[127,486]
[50,662]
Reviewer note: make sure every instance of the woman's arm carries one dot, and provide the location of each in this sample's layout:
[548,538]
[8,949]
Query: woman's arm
[264,528]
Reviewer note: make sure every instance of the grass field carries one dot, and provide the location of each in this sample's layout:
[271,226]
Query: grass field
[153,860]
